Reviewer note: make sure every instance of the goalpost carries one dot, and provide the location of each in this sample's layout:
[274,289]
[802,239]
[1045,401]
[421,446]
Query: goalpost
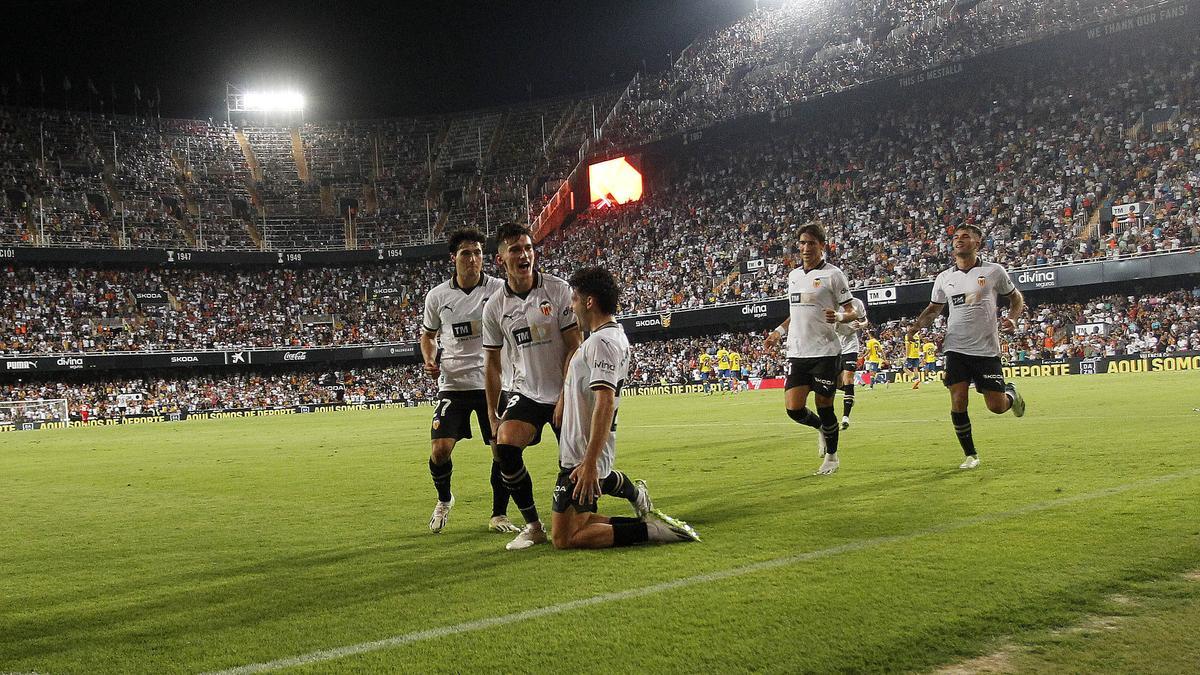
[28,414]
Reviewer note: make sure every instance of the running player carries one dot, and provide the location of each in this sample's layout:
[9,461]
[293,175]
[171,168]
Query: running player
[587,447]
[972,341]
[453,316]
[818,297]
[848,335]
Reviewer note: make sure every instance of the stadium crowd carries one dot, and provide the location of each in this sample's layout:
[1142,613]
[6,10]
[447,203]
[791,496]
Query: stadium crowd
[792,52]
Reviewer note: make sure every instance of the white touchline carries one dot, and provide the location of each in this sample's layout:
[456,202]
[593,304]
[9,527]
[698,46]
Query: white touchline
[850,547]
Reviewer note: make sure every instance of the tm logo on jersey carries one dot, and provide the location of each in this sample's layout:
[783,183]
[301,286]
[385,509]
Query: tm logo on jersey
[463,330]
[958,300]
[522,336]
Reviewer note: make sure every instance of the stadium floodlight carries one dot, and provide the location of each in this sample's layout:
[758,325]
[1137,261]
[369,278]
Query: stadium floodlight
[273,101]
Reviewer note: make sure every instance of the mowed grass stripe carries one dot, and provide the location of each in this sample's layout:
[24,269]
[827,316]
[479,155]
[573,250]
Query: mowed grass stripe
[700,579]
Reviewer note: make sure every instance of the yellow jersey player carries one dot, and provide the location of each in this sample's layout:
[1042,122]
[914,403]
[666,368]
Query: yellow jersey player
[722,367]
[912,360]
[706,371]
[735,371]
[929,354]
[873,360]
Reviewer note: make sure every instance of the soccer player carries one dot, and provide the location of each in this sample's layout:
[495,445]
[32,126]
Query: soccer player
[912,360]
[848,335]
[531,318]
[818,297]
[874,360]
[453,316]
[722,368]
[972,341]
[929,353]
[706,371]
[587,446]
[735,370]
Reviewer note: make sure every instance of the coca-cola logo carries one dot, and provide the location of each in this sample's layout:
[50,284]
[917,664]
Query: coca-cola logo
[295,356]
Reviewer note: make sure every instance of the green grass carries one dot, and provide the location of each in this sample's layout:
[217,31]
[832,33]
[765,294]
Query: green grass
[213,544]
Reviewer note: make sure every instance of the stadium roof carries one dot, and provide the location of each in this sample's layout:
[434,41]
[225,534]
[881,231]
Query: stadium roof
[351,59]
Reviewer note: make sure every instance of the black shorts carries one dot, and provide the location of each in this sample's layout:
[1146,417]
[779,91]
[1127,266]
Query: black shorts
[524,409]
[502,403]
[452,415]
[984,371]
[819,374]
[850,362]
[564,489]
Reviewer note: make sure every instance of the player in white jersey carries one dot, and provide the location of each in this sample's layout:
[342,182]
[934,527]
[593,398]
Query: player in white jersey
[818,297]
[587,445]
[848,335]
[530,316]
[453,318]
[972,342]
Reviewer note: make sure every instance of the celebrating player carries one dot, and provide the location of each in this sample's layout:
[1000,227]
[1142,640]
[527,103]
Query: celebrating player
[848,335]
[587,446]
[972,341]
[453,317]
[818,297]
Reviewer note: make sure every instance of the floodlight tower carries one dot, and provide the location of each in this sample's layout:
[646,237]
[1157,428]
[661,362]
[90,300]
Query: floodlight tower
[288,101]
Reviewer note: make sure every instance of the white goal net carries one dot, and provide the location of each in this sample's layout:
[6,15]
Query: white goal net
[33,413]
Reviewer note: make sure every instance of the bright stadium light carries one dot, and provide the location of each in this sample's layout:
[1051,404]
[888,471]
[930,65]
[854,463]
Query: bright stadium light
[273,101]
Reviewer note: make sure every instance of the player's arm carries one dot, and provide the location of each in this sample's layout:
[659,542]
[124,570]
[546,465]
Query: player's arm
[586,475]
[1016,305]
[429,353]
[572,337]
[491,384]
[846,314]
[774,336]
[925,319]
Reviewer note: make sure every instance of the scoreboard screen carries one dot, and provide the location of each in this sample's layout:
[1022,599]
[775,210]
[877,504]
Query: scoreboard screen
[616,181]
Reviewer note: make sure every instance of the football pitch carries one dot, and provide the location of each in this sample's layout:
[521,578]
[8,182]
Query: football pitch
[301,543]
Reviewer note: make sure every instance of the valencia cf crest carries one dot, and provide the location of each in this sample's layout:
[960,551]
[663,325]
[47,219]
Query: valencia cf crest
[816,283]
[665,319]
[982,281]
[436,424]
[546,307]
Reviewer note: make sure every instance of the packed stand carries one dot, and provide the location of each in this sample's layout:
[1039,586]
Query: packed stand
[795,51]
[1033,164]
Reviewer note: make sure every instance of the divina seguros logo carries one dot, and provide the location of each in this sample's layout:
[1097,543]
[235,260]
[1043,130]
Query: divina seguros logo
[70,362]
[1047,279]
[757,311]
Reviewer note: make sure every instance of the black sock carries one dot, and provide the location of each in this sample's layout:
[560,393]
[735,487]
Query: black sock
[848,401]
[962,429]
[441,478]
[516,479]
[829,427]
[629,531]
[806,417]
[500,494]
[618,484]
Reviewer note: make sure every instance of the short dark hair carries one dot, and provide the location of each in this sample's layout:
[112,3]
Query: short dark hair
[508,231]
[600,284]
[815,230]
[970,228]
[460,236]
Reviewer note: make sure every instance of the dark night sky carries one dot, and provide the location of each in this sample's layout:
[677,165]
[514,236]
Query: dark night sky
[352,60]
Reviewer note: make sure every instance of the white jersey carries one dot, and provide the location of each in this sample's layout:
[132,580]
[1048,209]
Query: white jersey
[532,327]
[848,331]
[456,315]
[971,295]
[601,361]
[809,295]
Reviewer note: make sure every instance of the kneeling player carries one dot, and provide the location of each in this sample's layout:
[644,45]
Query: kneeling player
[588,442]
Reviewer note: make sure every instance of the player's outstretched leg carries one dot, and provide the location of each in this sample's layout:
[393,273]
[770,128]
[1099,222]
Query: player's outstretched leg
[1017,402]
[962,429]
[664,529]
